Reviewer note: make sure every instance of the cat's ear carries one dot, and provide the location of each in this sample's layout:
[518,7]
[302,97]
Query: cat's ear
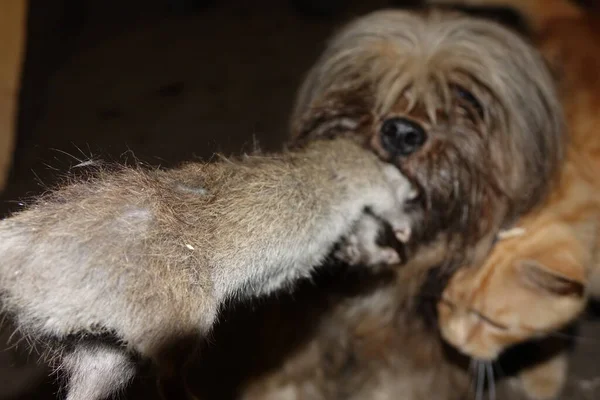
[554,281]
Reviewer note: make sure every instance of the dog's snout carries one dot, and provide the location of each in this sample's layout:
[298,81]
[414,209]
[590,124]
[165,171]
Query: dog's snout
[401,136]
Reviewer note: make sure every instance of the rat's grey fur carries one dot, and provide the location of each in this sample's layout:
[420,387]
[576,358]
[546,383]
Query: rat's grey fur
[149,256]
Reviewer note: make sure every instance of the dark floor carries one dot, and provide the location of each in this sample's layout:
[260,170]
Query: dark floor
[166,88]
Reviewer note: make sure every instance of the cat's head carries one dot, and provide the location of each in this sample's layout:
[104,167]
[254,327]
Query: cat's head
[529,286]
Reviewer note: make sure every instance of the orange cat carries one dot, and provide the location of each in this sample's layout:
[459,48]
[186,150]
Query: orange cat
[531,284]
[539,280]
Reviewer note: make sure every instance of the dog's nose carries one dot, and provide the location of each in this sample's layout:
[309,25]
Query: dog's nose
[401,136]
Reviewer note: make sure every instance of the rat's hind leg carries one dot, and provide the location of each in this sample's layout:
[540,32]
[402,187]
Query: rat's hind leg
[95,371]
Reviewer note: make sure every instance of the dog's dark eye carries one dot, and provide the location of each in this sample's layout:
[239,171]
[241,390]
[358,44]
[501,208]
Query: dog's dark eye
[467,97]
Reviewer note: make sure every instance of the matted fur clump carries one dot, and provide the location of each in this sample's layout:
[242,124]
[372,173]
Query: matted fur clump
[466,108]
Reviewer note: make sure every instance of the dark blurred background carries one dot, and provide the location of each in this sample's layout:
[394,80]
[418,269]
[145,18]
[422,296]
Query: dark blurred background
[162,81]
[165,80]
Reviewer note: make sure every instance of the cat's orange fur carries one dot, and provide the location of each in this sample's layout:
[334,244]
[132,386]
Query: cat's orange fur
[535,283]
[530,284]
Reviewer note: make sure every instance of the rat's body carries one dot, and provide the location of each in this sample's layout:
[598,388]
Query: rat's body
[149,256]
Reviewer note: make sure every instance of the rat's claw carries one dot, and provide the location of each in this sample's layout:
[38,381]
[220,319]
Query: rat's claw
[403,233]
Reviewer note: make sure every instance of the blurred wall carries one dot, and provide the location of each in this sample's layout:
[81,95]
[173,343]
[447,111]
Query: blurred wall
[12,42]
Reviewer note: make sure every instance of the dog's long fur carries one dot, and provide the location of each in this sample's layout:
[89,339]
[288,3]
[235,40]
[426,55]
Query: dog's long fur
[149,256]
[396,63]
[476,173]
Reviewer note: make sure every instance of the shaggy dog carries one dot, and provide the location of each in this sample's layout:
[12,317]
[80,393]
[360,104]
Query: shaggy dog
[464,107]
[468,111]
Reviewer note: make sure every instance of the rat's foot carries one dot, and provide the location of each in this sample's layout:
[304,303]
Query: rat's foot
[362,247]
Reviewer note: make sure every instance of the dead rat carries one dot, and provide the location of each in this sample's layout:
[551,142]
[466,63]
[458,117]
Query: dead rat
[149,256]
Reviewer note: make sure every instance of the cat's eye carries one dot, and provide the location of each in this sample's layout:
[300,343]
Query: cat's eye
[489,321]
[540,276]
[469,101]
